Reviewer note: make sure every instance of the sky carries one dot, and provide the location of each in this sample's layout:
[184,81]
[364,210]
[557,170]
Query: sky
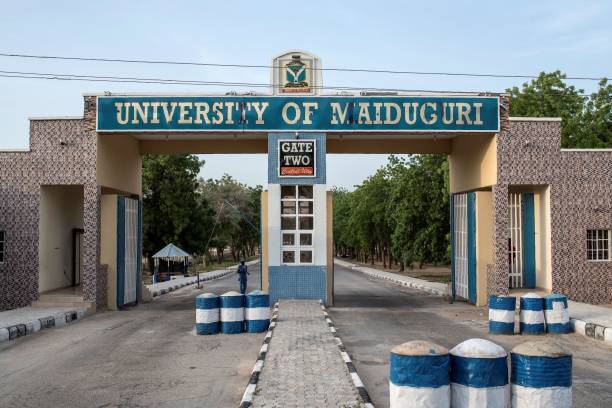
[518,37]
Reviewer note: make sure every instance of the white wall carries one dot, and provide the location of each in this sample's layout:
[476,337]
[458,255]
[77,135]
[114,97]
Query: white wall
[320,225]
[61,210]
[274,235]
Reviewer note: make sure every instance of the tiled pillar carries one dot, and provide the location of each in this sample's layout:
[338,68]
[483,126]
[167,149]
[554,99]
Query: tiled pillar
[287,280]
[498,281]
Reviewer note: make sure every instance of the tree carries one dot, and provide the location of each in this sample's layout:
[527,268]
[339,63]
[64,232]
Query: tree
[172,208]
[236,206]
[586,120]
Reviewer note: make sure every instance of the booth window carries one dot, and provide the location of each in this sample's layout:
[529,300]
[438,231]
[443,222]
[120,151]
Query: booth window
[2,245]
[297,224]
[599,243]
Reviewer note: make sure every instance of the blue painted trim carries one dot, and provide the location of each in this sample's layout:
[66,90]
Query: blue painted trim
[479,372]
[208,328]
[419,371]
[502,302]
[554,298]
[139,254]
[541,372]
[452,242]
[471,210]
[500,327]
[120,251]
[531,328]
[257,326]
[298,282]
[232,327]
[558,328]
[257,300]
[207,302]
[529,263]
[232,302]
[536,304]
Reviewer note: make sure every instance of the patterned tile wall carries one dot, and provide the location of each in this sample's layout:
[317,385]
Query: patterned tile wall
[61,152]
[529,153]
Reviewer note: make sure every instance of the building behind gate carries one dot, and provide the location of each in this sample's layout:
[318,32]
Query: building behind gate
[525,212]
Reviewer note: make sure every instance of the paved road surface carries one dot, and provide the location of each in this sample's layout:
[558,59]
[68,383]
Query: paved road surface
[373,316]
[147,356]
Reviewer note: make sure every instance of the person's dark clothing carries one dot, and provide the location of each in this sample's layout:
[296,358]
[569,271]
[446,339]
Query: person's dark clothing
[242,277]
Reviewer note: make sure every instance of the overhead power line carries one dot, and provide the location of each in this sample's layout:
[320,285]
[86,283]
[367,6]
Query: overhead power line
[363,70]
[170,81]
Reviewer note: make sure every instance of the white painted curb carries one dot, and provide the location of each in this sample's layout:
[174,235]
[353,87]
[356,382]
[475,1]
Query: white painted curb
[435,288]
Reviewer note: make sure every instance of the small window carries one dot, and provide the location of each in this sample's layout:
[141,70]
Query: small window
[287,192]
[288,239]
[306,207]
[305,256]
[306,239]
[306,223]
[599,244]
[305,192]
[288,223]
[288,257]
[2,246]
[288,207]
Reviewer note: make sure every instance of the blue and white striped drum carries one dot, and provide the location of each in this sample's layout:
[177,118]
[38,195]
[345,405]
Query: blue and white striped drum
[257,311]
[502,310]
[532,314]
[207,313]
[419,376]
[556,314]
[232,313]
[479,375]
[541,376]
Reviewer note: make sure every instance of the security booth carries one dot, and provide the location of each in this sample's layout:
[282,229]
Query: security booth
[524,212]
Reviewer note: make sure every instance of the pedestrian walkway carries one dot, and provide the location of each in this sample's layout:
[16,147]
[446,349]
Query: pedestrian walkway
[303,365]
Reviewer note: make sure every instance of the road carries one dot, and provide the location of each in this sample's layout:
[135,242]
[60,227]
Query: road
[147,356]
[373,316]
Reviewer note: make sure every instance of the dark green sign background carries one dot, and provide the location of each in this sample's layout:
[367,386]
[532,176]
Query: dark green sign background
[298,113]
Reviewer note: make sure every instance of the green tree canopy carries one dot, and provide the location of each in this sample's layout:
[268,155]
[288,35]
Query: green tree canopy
[586,119]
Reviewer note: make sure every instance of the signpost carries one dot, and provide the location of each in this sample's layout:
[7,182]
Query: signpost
[298,113]
[296,158]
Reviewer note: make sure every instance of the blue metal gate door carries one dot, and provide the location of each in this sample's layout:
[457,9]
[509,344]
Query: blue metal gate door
[464,245]
[128,250]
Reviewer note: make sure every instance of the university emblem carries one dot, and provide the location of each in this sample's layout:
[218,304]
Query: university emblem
[297,76]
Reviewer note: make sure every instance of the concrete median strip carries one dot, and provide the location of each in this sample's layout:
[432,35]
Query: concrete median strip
[361,390]
[247,398]
[306,364]
[434,288]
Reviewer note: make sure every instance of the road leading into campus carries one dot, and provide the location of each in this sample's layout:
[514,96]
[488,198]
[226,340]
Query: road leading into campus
[147,356]
[372,316]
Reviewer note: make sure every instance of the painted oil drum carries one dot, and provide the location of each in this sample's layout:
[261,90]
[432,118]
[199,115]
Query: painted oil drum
[207,313]
[541,376]
[532,314]
[419,375]
[232,313]
[556,314]
[257,311]
[479,375]
[502,310]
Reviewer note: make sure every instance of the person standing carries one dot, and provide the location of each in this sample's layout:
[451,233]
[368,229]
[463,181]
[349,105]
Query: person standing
[242,276]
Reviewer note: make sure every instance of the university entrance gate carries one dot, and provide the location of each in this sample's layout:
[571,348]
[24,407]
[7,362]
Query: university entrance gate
[504,175]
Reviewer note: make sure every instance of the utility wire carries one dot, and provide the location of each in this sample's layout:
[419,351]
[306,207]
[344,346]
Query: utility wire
[208,64]
[166,81]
